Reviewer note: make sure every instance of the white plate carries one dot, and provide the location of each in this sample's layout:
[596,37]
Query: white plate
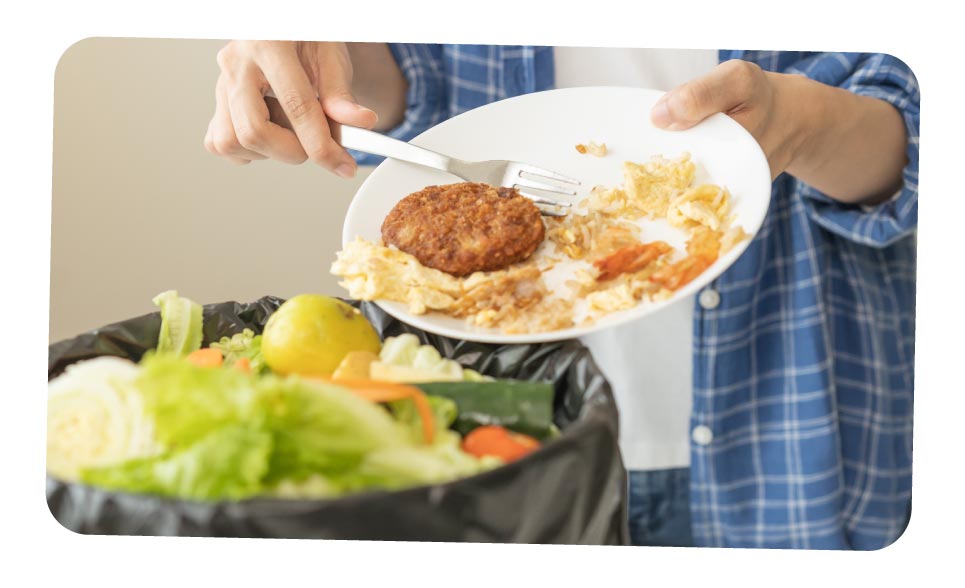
[542,129]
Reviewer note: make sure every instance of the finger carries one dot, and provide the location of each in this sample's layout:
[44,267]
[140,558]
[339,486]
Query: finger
[224,142]
[210,146]
[252,122]
[334,87]
[729,86]
[277,113]
[301,106]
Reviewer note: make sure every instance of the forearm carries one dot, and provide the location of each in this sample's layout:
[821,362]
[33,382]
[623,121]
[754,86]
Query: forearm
[852,148]
[378,82]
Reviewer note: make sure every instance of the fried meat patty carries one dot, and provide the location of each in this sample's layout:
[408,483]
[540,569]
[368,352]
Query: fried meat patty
[465,228]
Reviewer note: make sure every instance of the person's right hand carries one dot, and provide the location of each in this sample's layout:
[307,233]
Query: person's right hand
[311,83]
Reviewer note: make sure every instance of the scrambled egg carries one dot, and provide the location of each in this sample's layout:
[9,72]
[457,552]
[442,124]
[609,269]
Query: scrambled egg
[619,297]
[371,272]
[650,186]
[706,204]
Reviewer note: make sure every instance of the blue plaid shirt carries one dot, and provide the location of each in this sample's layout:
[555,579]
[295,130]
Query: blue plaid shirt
[804,372]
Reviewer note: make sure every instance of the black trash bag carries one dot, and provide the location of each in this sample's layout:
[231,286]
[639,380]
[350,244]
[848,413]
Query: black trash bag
[572,491]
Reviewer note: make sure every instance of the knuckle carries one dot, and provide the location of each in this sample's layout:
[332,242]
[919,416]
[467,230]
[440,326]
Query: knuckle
[732,65]
[224,143]
[744,73]
[262,46]
[226,56]
[296,106]
[249,137]
[325,154]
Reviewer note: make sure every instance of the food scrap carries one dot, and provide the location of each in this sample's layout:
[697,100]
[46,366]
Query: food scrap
[616,266]
[465,228]
[597,150]
[196,422]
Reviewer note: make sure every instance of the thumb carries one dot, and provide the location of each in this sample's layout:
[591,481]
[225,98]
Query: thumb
[683,107]
[340,106]
[727,86]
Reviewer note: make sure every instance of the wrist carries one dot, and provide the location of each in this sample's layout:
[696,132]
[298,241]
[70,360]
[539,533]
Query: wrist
[798,113]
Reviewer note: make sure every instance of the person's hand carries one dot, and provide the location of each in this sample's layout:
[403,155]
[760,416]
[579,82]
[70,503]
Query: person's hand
[311,83]
[754,98]
[850,147]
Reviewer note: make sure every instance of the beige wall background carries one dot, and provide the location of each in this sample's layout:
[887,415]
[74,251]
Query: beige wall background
[140,207]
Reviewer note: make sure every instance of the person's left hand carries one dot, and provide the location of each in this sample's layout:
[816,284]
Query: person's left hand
[760,101]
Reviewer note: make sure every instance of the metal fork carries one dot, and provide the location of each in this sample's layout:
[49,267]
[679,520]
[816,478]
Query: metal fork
[506,174]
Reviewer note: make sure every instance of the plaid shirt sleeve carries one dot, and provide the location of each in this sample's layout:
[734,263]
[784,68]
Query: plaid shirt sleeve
[446,80]
[886,78]
[424,71]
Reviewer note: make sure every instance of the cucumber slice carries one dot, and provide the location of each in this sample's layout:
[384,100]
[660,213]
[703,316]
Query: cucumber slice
[181,324]
[524,407]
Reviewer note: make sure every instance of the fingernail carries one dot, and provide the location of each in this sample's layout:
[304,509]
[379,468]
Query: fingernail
[364,109]
[346,171]
[660,115]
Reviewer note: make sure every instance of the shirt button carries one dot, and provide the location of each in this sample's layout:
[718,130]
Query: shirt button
[702,435]
[709,299]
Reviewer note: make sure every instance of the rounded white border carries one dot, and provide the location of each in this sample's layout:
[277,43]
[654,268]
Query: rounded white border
[38,550]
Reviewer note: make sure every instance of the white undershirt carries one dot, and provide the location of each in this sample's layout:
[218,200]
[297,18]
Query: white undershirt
[648,362]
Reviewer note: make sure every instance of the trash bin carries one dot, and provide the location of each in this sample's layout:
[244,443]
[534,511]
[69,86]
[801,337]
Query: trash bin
[571,491]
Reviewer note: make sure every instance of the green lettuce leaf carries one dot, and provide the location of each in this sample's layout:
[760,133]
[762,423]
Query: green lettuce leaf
[322,428]
[225,434]
[230,462]
[187,402]
[404,466]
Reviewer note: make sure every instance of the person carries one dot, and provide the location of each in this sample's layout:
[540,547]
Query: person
[774,408]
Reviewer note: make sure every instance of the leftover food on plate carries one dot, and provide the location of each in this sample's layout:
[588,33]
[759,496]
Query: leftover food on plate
[323,413]
[593,149]
[465,228]
[576,269]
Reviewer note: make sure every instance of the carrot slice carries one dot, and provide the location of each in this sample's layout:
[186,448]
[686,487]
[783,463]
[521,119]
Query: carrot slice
[630,259]
[243,365]
[375,391]
[206,357]
[493,440]
[681,273]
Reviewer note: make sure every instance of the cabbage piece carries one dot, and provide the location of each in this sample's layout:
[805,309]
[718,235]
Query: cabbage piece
[230,462]
[242,345]
[417,362]
[95,417]
[181,324]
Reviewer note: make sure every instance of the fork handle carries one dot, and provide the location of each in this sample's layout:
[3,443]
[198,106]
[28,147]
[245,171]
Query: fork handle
[379,144]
